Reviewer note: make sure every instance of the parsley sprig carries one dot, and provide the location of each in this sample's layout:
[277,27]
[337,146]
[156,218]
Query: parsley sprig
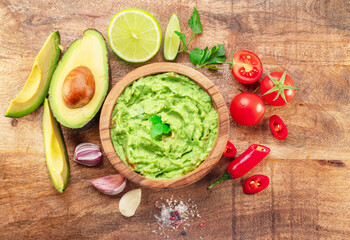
[201,57]
[158,128]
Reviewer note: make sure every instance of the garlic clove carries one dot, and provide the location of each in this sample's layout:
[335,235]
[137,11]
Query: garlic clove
[88,154]
[110,185]
[130,202]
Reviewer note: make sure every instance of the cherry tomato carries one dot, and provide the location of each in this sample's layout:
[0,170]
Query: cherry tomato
[277,89]
[230,150]
[255,184]
[247,67]
[278,128]
[247,108]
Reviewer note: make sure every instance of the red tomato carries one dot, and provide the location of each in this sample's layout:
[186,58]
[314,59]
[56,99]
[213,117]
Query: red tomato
[279,90]
[255,184]
[230,150]
[278,128]
[247,108]
[247,67]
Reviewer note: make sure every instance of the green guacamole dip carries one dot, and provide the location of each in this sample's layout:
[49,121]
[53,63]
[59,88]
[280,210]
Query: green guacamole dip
[181,104]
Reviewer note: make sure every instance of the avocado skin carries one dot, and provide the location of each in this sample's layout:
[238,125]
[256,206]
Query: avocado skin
[57,126]
[46,90]
[88,125]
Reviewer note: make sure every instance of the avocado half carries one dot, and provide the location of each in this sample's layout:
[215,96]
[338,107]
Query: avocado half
[37,85]
[55,150]
[88,52]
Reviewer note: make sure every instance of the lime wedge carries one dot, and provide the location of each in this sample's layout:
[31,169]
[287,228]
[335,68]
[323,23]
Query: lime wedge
[171,40]
[134,35]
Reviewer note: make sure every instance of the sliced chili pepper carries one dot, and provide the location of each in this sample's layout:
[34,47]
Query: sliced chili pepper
[255,184]
[244,163]
[278,128]
[230,150]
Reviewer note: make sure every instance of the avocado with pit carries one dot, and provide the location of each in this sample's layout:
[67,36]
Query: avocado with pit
[55,150]
[80,82]
[37,85]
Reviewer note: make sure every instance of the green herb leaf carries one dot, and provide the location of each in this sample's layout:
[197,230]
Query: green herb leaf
[156,130]
[202,57]
[205,55]
[195,56]
[155,119]
[166,129]
[195,22]
[182,38]
[216,55]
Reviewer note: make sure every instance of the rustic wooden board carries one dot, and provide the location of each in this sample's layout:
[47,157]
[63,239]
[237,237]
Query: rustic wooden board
[307,199]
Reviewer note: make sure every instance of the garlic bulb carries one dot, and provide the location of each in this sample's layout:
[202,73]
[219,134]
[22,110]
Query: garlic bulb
[129,202]
[110,185]
[88,154]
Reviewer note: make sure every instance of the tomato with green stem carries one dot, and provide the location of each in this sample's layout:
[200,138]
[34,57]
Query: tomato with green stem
[277,88]
[246,67]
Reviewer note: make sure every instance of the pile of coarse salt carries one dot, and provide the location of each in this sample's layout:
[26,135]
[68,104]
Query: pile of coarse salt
[174,214]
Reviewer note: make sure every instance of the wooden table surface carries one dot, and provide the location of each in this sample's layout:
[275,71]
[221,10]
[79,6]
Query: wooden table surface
[309,196]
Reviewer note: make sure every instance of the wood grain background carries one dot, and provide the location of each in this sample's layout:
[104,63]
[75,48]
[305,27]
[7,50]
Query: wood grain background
[309,195]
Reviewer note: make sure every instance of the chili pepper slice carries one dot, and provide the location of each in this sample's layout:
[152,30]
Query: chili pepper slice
[230,150]
[278,128]
[255,184]
[244,163]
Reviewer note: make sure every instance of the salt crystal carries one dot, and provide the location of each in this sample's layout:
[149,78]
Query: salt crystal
[173,213]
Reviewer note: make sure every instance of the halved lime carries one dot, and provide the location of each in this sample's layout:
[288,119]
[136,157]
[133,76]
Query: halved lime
[134,35]
[171,40]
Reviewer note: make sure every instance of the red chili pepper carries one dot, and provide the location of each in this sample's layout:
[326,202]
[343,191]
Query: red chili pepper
[244,163]
[255,184]
[230,150]
[278,128]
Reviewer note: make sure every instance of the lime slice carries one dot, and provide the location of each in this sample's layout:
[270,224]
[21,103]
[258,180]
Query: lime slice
[134,35]
[171,40]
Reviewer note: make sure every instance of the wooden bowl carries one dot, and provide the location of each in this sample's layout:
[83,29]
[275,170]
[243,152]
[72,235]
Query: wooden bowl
[212,158]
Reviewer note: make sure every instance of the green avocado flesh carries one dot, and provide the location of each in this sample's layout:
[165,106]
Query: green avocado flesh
[55,150]
[181,104]
[37,85]
[91,52]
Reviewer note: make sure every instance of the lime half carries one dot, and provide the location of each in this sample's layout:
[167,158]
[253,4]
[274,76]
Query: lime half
[171,40]
[134,35]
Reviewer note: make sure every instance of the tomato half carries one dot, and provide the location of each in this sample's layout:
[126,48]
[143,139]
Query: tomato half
[279,90]
[247,67]
[278,128]
[230,150]
[255,184]
[247,108]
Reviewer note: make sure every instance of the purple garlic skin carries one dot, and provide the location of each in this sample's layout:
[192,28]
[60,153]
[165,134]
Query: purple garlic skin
[110,185]
[88,154]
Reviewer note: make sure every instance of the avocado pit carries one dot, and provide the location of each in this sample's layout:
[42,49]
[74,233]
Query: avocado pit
[78,87]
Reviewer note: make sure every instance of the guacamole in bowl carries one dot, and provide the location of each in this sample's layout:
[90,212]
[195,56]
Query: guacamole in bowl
[183,106]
